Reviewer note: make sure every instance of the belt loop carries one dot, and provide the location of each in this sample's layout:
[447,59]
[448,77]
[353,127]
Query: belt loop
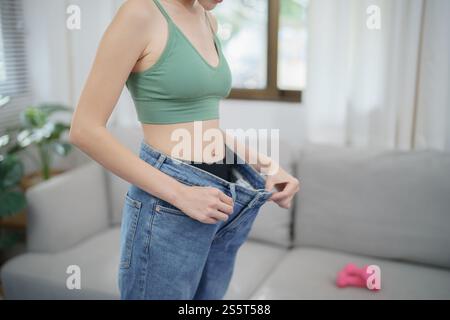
[160,161]
[233,191]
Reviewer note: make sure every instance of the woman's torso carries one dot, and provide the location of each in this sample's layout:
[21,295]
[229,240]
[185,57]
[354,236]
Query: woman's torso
[200,35]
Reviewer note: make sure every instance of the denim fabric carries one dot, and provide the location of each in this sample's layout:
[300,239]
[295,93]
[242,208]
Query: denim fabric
[165,254]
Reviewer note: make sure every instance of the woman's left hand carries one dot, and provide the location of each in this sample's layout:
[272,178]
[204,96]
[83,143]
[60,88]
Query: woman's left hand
[287,186]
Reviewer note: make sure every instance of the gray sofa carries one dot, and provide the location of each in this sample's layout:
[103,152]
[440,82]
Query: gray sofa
[388,208]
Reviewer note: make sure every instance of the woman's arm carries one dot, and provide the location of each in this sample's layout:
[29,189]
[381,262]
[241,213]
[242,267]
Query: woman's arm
[120,47]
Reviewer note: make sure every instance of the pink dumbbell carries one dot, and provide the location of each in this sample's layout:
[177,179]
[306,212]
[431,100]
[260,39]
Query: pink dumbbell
[353,270]
[353,276]
[345,280]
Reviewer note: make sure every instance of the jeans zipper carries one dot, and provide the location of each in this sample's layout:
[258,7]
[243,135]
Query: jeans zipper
[239,217]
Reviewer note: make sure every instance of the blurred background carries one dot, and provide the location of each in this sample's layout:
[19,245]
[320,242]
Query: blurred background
[359,90]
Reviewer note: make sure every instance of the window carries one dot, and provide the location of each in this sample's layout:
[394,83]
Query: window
[14,88]
[265,44]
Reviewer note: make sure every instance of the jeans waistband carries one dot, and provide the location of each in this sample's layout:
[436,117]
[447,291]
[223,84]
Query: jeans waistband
[191,175]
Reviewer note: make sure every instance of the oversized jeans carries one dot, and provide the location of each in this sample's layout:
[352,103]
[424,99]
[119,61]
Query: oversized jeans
[165,254]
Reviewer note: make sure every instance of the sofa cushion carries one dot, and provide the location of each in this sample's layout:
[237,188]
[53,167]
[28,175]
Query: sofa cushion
[64,210]
[43,276]
[309,273]
[254,262]
[391,204]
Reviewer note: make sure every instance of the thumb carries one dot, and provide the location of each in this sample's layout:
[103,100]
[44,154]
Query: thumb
[270,184]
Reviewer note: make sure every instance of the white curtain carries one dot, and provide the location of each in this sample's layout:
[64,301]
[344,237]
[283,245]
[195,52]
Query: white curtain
[385,87]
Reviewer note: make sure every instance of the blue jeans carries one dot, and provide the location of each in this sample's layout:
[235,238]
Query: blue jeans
[165,254]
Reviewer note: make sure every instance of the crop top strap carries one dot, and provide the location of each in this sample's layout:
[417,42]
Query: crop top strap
[163,11]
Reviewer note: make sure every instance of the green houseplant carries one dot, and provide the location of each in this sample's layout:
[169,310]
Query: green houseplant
[12,198]
[11,172]
[46,135]
[36,130]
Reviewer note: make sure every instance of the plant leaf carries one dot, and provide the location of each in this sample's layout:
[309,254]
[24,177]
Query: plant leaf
[62,148]
[11,171]
[4,140]
[8,238]
[33,117]
[12,202]
[16,147]
[58,129]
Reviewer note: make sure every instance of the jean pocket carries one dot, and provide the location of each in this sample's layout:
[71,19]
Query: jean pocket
[130,218]
[163,207]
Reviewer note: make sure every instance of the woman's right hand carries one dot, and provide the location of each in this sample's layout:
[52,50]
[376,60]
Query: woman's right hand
[205,204]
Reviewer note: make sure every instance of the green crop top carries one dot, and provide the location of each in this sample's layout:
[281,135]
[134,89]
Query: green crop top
[181,86]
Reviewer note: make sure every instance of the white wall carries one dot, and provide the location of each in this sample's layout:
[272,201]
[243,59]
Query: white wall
[289,118]
[47,50]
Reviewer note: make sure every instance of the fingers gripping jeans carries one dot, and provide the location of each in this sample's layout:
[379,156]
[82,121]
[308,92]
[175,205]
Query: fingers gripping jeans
[165,254]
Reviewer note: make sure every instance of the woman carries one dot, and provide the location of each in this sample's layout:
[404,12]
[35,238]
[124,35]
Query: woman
[186,213]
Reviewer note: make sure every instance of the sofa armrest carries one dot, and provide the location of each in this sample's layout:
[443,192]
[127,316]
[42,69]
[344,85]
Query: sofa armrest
[67,209]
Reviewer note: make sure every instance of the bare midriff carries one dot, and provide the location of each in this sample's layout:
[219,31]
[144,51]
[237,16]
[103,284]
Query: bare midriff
[164,138]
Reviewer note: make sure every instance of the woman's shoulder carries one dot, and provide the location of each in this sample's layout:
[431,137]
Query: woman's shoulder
[130,22]
[138,11]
